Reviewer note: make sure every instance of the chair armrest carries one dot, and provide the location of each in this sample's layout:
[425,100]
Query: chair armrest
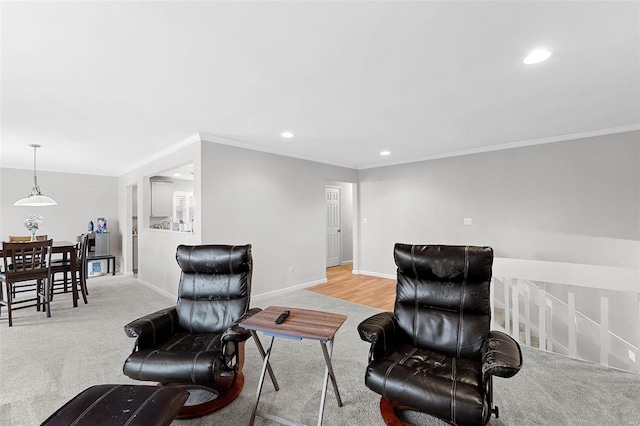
[150,330]
[235,333]
[380,331]
[501,356]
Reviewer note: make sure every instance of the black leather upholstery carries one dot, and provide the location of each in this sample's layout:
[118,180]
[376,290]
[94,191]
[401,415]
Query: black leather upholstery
[196,341]
[117,405]
[435,352]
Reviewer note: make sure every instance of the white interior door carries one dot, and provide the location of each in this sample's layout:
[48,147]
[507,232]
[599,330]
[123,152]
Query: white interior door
[333,226]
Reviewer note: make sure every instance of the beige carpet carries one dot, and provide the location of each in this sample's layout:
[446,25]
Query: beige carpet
[47,361]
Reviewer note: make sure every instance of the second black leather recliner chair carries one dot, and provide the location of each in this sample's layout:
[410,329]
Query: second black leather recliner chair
[436,353]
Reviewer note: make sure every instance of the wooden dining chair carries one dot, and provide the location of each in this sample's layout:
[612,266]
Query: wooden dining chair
[31,285]
[63,266]
[26,238]
[26,262]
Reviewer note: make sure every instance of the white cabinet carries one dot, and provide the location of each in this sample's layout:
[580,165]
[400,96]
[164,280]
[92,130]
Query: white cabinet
[161,199]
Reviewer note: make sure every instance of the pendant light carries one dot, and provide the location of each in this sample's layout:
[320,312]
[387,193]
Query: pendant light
[35,199]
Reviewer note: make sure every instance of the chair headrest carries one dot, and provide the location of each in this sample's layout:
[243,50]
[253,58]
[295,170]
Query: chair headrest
[214,259]
[444,263]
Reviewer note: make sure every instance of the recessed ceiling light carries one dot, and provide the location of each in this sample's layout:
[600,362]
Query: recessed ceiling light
[176,174]
[537,56]
[385,152]
[287,135]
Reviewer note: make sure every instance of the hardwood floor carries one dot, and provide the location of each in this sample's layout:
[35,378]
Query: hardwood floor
[376,292]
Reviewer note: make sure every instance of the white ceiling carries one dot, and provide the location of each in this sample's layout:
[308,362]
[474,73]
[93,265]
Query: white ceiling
[104,85]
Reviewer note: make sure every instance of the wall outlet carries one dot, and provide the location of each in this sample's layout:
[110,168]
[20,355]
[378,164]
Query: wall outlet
[468,221]
[364,220]
[290,270]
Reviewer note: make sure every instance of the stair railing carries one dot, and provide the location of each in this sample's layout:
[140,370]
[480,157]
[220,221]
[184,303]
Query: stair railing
[530,312]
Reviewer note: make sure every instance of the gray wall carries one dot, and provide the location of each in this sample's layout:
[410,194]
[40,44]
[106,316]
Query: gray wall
[80,198]
[157,265]
[241,196]
[575,201]
[275,203]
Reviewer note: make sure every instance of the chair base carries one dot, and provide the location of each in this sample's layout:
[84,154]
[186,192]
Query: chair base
[388,410]
[232,391]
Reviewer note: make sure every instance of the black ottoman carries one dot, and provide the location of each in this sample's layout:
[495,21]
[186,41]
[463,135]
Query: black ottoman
[121,404]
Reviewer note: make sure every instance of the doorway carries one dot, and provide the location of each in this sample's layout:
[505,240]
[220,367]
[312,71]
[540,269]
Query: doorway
[134,229]
[339,223]
[334,245]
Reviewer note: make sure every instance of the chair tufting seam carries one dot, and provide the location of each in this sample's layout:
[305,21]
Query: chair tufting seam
[462,300]
[153,352]
[226,308]
[454,388]
[177,341]
[415,295]
[193,366]
[409,355]
[146,401]
[392,366]
[193,302]
[211,342]
[153,331]
[193,290]
[93,404]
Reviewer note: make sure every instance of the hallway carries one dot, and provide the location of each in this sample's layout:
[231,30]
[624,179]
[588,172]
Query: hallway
[366,290]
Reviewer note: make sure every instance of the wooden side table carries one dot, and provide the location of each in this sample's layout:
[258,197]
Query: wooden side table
[301,324]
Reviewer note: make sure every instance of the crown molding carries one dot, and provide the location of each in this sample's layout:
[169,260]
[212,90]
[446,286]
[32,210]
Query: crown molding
[159,154]
[207,137]
[510,145]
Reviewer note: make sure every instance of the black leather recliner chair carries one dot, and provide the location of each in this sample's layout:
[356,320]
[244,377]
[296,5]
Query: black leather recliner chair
[197,343]
[436,353]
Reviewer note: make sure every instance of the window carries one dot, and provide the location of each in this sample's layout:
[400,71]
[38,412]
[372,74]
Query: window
[183,208]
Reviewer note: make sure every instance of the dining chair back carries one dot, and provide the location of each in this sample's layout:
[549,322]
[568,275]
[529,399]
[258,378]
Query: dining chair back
[29,285]
[26,262]
[63,266]
[26,238]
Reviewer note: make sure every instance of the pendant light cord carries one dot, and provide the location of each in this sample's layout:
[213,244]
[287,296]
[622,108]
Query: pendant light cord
[35,190]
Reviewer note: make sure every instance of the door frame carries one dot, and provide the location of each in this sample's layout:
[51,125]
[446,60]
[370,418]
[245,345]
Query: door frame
[339,189]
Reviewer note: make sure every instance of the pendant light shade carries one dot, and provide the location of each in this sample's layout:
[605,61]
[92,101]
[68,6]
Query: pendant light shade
[35,199]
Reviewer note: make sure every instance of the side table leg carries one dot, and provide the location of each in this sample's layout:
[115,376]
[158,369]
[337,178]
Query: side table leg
[328,373]
[262,354]
[265,364]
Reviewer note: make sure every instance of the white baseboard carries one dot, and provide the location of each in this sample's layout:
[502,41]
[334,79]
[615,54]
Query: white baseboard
[347,262]
[375,274]
[290,289]
[253,296]
[159,290]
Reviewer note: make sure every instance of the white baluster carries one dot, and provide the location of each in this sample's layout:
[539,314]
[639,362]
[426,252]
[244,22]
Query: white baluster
[549,304]
[572,324]
[637,355]
[542,317]
[492,302]
[605,345]
[506,283]
[527,314]
[515,331]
